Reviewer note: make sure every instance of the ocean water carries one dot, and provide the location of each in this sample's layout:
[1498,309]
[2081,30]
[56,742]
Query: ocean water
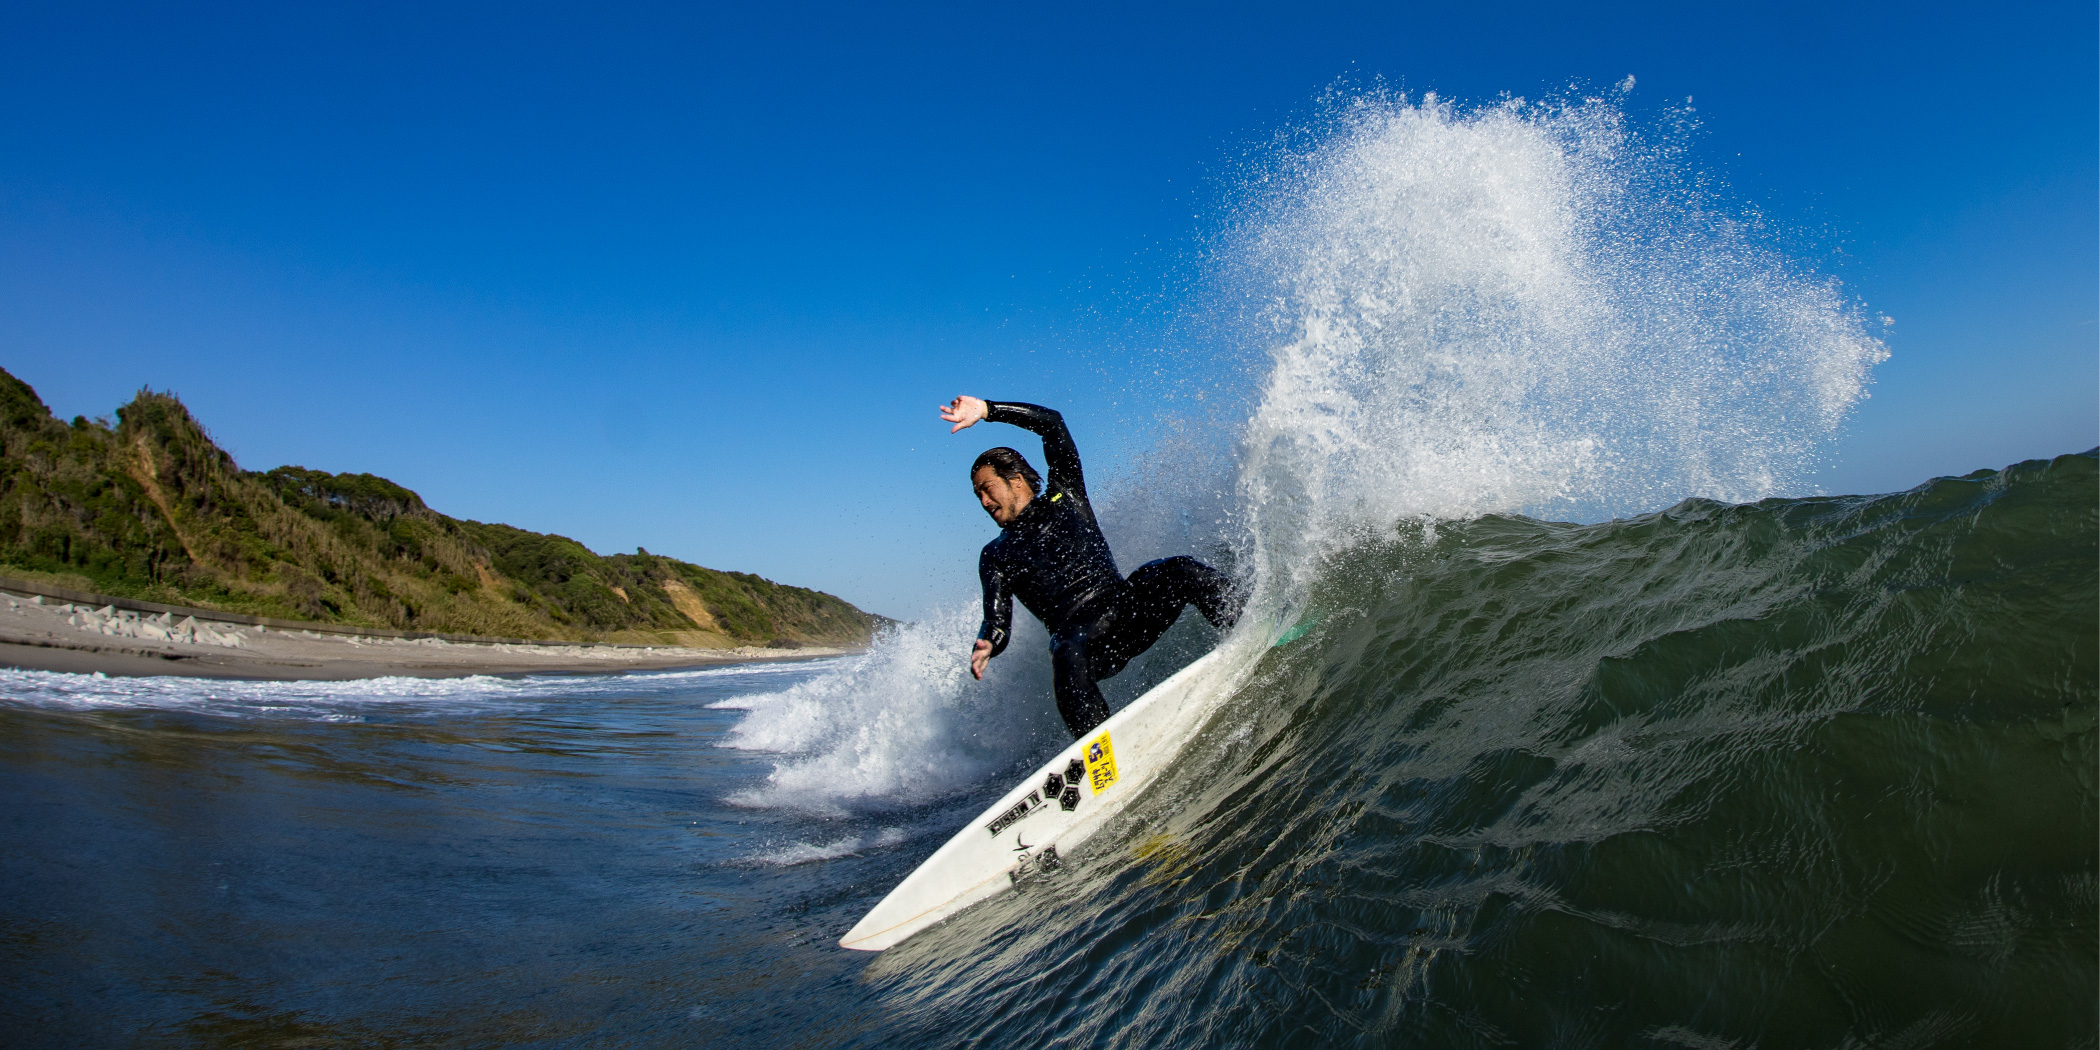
[477,862]
[1601,733]
[1812,772]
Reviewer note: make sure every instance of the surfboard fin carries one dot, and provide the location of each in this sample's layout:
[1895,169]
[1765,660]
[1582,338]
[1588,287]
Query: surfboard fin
[1296,631]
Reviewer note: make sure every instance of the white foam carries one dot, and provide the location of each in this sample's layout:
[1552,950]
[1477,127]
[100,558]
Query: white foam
[343,701]
[805,853]
[236,696]
[901,724]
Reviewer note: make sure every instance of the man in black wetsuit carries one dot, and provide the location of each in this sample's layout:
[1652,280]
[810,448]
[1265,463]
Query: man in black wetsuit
[1051,555]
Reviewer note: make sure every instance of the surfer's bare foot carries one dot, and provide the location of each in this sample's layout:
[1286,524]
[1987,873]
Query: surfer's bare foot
[965,411]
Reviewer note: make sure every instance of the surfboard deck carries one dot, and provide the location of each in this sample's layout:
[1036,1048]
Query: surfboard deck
[1019,837]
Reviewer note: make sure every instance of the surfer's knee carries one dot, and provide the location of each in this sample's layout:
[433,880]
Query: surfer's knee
[1160,570]
[1067,646]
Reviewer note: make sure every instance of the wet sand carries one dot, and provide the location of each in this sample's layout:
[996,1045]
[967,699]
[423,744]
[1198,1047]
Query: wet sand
[45,634]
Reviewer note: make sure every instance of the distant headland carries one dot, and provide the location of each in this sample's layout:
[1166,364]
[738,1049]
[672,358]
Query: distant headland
[149,508]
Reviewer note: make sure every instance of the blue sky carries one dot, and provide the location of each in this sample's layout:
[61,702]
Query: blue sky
[692,277]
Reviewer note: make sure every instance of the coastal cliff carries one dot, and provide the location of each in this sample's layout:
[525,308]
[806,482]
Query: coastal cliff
[149,507]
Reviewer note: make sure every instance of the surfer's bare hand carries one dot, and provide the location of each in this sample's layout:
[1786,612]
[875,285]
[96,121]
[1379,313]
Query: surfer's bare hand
[981,653]
[964,411]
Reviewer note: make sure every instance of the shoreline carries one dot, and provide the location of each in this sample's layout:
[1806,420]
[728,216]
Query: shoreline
[38,634]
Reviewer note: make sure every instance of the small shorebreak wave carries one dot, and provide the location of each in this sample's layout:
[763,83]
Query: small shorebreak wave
[341,701]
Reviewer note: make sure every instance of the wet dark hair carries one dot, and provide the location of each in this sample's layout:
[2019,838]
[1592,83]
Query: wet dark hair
[1008,464]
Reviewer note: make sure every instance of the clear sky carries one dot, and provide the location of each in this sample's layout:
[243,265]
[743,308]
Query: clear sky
[692,277]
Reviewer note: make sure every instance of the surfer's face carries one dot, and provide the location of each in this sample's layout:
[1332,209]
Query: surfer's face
[1002,498]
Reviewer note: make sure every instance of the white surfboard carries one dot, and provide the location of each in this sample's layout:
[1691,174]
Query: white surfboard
[1020,837]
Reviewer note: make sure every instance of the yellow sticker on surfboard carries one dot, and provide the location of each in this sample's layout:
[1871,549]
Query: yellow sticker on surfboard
[1100,763]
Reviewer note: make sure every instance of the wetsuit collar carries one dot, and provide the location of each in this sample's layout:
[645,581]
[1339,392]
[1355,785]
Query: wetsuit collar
[1030,512]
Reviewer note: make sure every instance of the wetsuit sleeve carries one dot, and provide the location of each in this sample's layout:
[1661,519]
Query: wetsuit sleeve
[1059,453]
[998,604]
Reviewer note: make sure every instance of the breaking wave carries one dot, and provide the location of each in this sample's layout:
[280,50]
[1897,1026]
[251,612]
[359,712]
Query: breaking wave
[1519,308]
[1806,772]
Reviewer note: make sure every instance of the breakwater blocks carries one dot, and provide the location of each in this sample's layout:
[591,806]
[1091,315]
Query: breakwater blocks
[123,623]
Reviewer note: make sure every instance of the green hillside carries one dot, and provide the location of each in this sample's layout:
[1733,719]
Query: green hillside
[150,508]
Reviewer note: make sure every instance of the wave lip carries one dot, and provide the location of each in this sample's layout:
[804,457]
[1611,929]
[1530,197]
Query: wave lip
[1518,308]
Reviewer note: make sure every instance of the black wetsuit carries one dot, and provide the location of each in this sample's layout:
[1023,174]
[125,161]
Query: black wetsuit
[1052,556]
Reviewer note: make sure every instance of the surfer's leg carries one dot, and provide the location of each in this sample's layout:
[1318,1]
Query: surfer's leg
[1079,700]
[1157,593]
[1215,595]
[1160,588]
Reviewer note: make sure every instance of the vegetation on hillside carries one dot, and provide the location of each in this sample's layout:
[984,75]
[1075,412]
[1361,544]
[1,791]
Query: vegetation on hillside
[150,508]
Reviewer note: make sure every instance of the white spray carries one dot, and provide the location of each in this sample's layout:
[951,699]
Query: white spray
[1517,309]
[900,725]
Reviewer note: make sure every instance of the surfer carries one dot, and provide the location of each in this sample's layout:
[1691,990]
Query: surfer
[1050,554]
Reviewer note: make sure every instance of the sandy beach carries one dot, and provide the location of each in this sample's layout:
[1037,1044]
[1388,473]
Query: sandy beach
[46,634]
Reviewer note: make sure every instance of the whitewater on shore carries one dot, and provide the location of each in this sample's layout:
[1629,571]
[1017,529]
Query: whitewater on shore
[39,632]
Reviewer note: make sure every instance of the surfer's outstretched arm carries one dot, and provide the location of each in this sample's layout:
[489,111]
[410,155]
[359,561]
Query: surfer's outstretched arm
[1059,453]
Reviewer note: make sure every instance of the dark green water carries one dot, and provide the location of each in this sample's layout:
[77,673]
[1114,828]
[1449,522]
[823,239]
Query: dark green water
[1807,773]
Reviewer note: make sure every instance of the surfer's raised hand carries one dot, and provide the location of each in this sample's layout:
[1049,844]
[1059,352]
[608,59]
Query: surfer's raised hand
[964,411]
[981,653]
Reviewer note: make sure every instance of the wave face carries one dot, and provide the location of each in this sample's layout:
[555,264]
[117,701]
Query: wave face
[1748,771]
[1808,772]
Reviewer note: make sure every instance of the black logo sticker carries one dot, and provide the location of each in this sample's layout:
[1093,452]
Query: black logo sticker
[1015,812]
